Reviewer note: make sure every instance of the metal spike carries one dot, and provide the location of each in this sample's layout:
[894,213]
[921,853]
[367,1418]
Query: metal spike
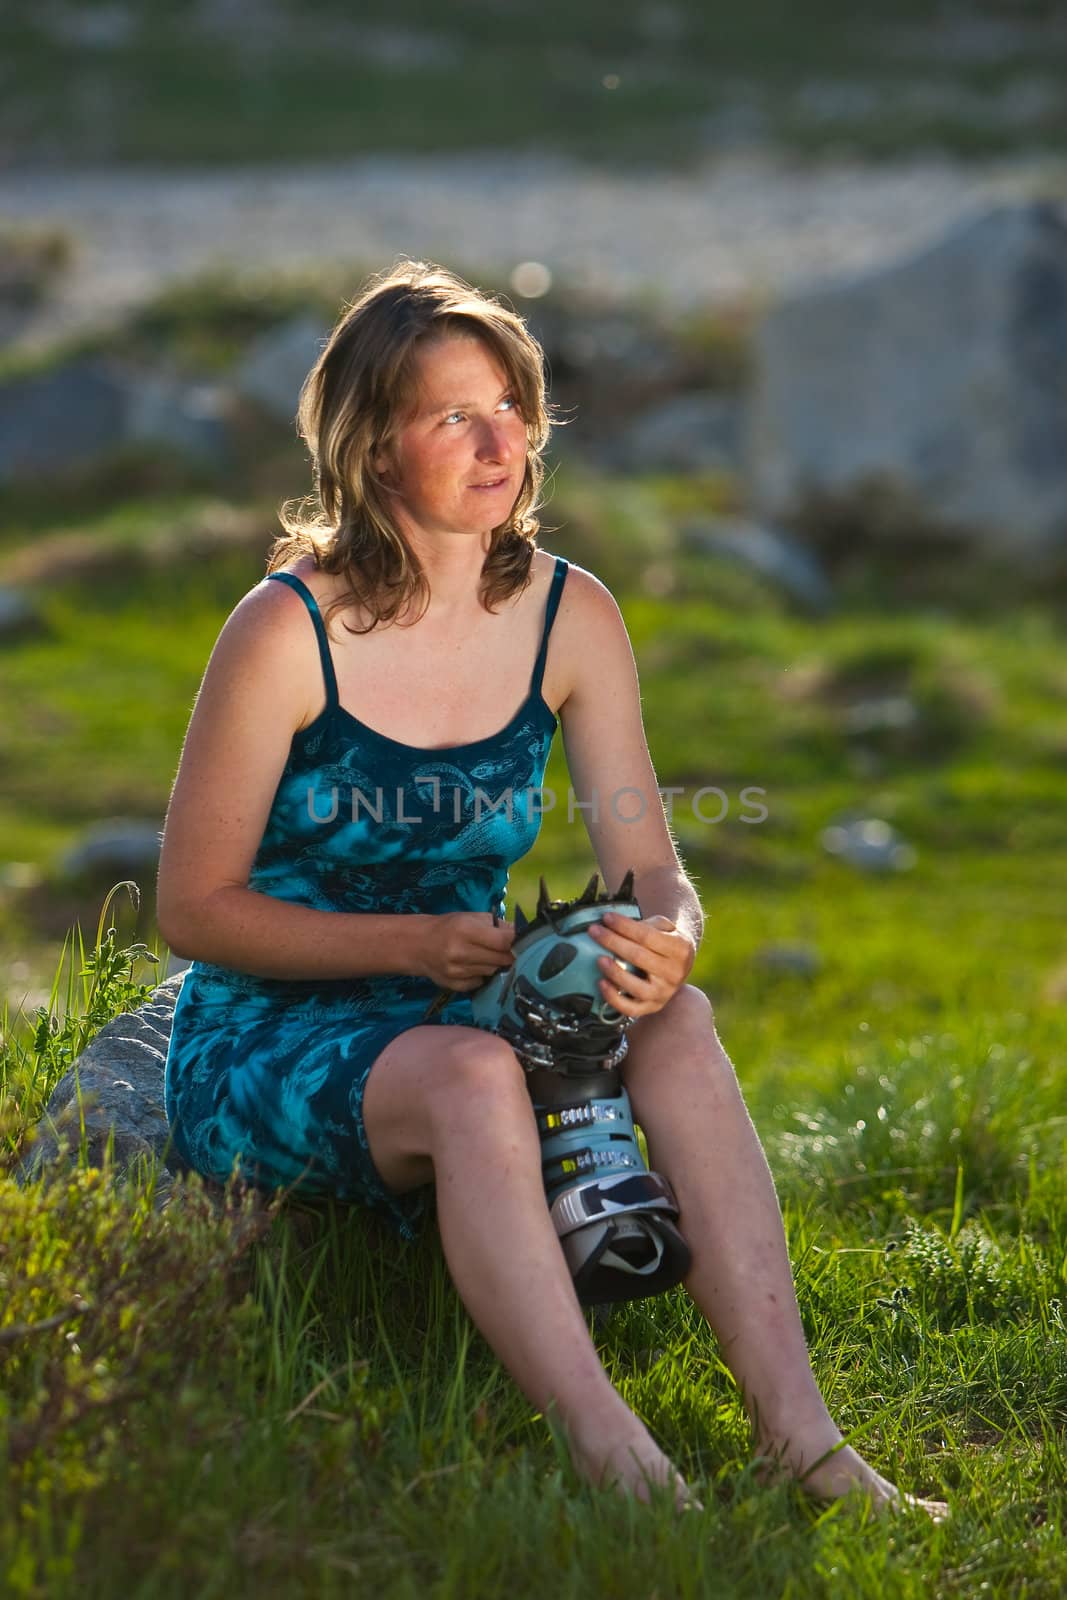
[521,923]
[588,895]
[543,897]
[626,887]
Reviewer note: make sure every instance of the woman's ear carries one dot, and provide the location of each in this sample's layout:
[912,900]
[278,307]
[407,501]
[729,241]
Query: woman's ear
[381,458]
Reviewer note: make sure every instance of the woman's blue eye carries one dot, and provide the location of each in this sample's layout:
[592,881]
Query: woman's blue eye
[508,400]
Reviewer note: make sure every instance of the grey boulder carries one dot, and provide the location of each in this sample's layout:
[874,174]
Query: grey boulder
[939,382]
[771,553]
[127,845]
[60,419]
[697,431]
[113,1095]
[272,372]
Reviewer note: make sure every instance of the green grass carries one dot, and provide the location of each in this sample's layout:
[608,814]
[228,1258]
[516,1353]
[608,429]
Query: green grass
[285,1403]
[313,81]
[290,1404]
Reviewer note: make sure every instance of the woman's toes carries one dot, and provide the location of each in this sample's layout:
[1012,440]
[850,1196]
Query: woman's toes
[839,1473]
[936,1510]
[631,1470]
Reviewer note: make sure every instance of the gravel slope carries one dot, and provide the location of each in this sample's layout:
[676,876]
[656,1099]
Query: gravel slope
[747,220]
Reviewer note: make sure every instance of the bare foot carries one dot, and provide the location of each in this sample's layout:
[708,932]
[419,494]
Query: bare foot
[630,1466]
[828,1469]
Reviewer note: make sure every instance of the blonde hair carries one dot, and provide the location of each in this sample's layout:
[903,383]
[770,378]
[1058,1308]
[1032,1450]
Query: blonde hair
[351,406]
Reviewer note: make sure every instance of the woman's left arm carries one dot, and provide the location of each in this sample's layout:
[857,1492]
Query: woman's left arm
[617,796]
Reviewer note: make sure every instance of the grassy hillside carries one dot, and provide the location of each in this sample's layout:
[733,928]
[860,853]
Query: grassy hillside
[267,80]
[280,1405]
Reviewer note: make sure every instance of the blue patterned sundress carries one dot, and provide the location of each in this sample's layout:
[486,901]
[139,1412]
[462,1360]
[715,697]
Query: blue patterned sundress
[266,1076]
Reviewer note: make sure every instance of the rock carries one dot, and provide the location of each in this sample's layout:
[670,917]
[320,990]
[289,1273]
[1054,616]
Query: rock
[78,413]
[273,370]
[941,380]
[189,419]
[879,714]
[116,846]
[18,614]
[776,556]
[610,372]
[52,421]
[628,351]
[698,431]
[114,1091]
[868,843]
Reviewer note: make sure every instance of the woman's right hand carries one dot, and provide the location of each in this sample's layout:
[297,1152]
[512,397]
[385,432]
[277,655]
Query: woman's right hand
[462,948]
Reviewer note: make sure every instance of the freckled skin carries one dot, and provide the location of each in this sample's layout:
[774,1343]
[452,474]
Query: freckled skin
[441,458]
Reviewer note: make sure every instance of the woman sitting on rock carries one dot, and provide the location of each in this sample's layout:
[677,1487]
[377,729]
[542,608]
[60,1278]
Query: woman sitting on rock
[328,868]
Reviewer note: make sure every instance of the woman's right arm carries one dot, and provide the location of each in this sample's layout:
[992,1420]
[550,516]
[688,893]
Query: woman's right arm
[257,689]
[260,684]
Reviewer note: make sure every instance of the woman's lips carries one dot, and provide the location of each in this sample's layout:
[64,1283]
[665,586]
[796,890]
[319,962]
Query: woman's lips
[495,483]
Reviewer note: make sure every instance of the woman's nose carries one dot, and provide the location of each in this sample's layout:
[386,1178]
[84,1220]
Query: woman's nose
[495,442]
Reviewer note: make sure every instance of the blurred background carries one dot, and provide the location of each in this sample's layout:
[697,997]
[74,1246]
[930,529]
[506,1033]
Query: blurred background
[800,271]
[801,277]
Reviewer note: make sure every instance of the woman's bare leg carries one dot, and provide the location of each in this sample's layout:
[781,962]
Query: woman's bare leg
[685,1096]
[450,1105]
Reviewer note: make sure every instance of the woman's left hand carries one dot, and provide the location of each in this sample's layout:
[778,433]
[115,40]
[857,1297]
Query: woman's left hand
[657,946]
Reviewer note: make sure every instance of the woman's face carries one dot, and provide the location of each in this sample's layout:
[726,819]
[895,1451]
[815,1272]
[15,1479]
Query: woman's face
[457,464]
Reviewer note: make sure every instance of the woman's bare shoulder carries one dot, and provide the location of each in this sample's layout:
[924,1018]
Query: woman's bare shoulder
[579,583]
[326,587]
[267,639]
[271,608]
[304,568]
[583,599]
[586,608]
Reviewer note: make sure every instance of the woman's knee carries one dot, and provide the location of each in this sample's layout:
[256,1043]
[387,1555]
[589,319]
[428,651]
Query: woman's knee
[427,1073]
[687,1011]
[691,1006]
[479,1076]
[678,1040]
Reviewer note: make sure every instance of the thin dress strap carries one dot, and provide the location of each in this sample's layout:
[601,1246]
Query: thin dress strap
[551,608]
[301,588]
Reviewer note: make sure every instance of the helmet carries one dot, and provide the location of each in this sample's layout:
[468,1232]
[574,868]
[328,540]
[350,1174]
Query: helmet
[549,1001]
